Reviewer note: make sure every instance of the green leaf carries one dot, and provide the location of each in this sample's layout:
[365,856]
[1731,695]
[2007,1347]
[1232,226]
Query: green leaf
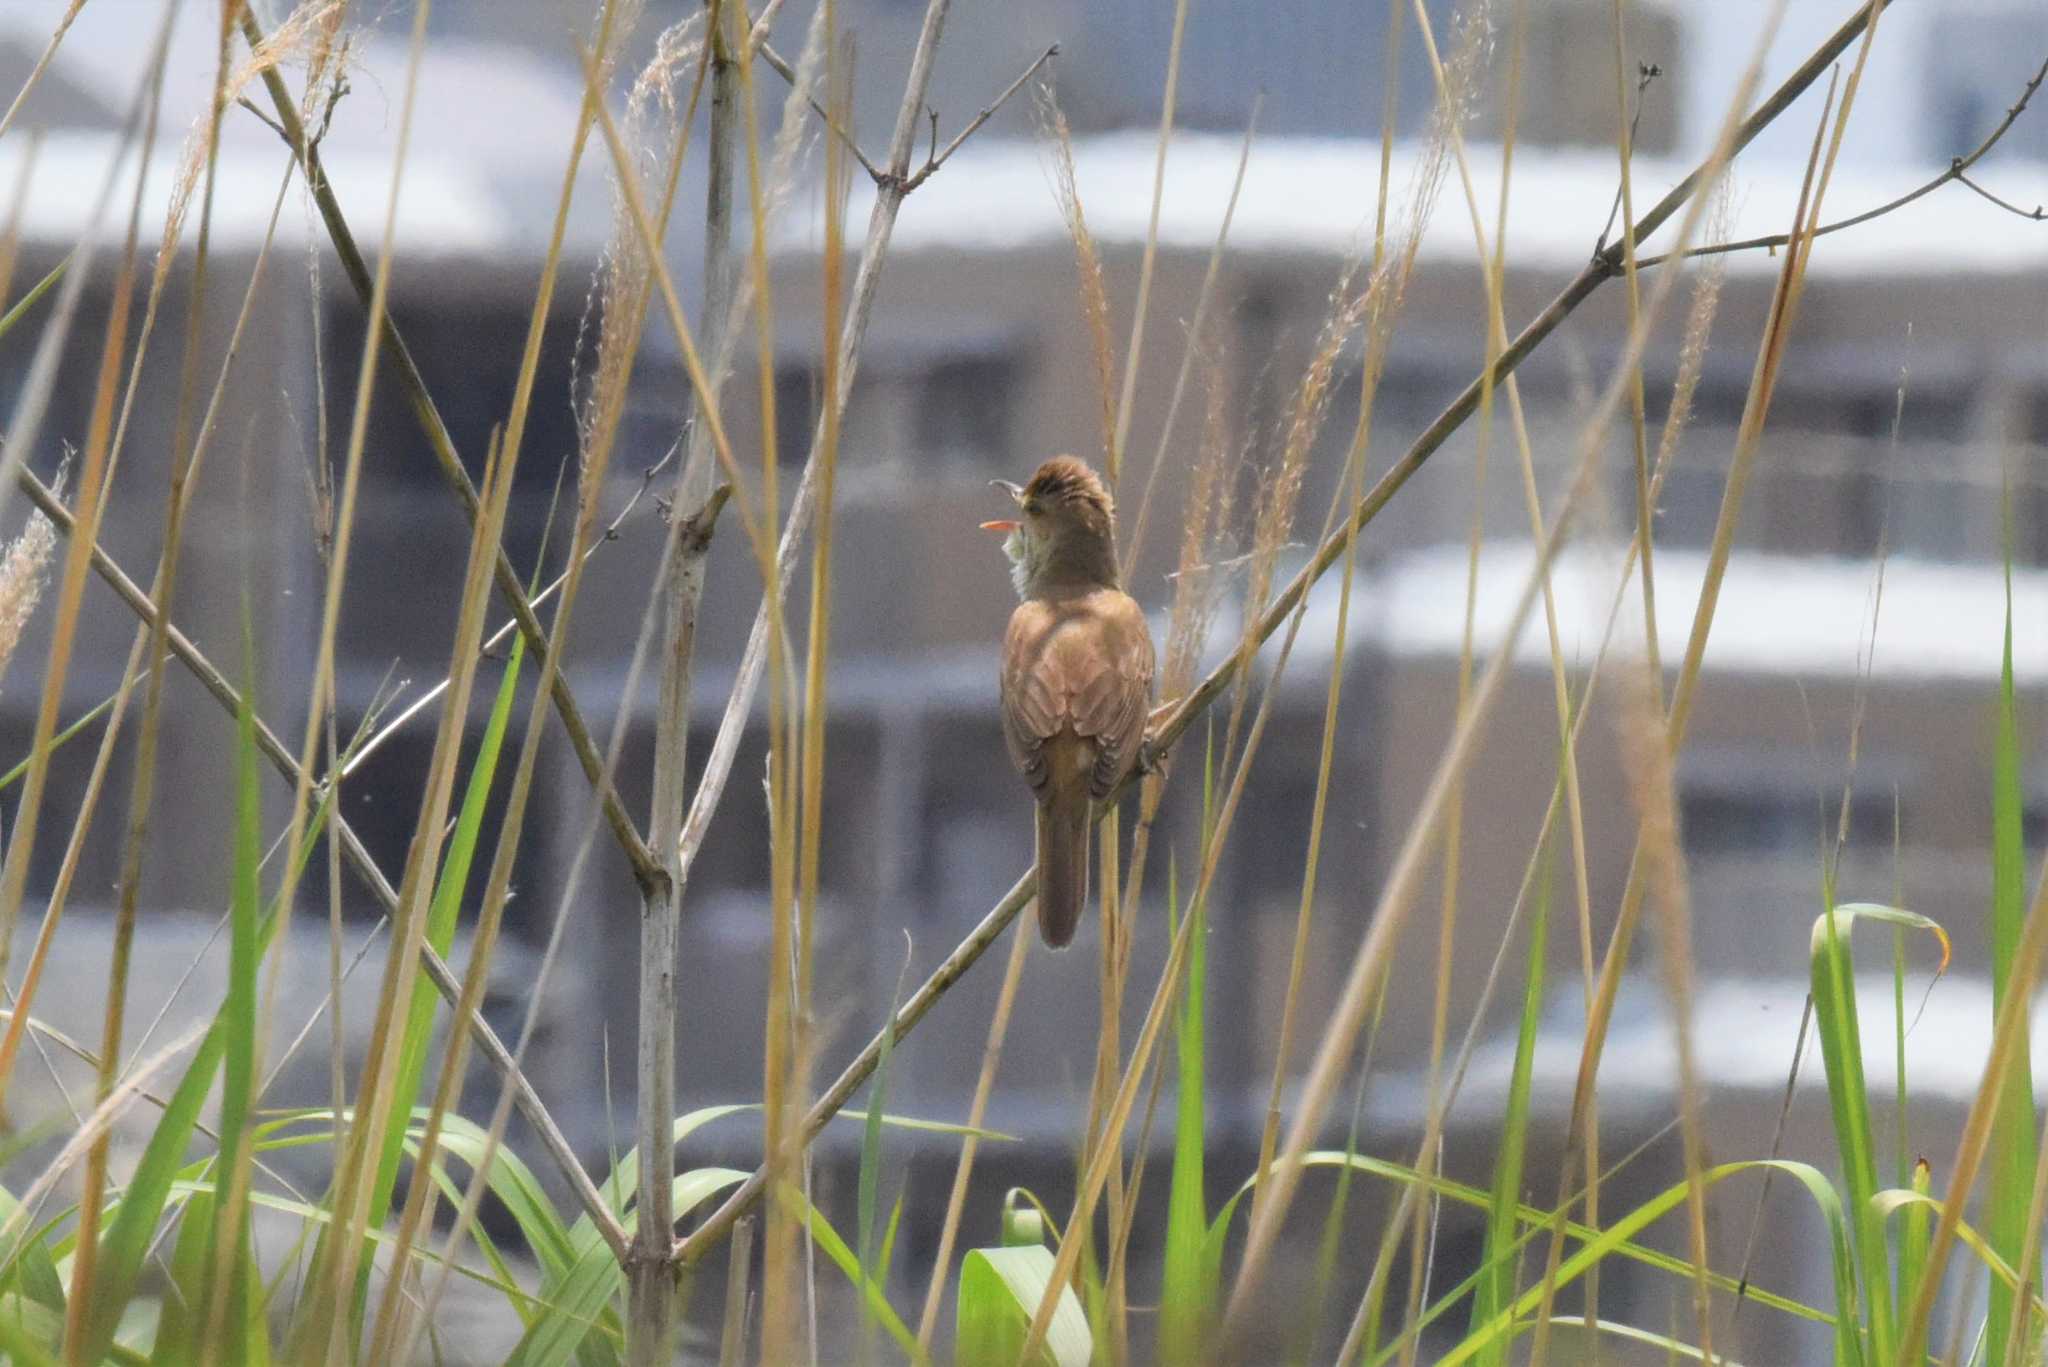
[1616,1237]
[1000,1290]
[228,1303]
[871,1169]
[577,1301]
[35,1268]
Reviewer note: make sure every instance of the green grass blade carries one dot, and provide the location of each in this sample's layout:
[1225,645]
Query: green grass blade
[578,1303]
[1921,1205]
[1497,1287]
[870,1177]
[21,1346]
[228,1300]
[442,914]
[1841,1040]
[132,1229]
[1188,1296]
[1536,1221]
[177,1329]
[1914,1231]
[1612,1238]
[57,742]
[28,301]
[2011,1152]
[842,1257]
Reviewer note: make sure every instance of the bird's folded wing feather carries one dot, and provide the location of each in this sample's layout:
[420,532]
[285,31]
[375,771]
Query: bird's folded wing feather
[1082,665]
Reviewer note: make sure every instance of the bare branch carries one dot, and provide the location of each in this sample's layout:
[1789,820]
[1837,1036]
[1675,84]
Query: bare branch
[933,161]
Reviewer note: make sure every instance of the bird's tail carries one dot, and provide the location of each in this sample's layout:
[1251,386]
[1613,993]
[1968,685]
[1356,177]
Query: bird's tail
[1062,865]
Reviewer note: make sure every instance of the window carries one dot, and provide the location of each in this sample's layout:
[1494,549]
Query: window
[950,412]
[412,538]
[380,800]
[1753,805]
[977,832]
[736,851]
[63,795]
[1986,53]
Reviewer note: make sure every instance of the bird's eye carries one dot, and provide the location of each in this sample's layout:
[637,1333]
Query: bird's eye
[1032,507]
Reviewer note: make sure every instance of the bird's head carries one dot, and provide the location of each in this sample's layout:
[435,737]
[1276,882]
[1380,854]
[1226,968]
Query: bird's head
[1064,533]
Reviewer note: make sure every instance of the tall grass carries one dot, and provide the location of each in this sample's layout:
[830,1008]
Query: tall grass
[167,1254]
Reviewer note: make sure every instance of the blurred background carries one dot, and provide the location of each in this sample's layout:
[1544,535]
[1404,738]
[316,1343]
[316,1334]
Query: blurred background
[1912,410]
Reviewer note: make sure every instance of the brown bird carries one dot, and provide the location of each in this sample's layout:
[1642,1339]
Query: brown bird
[1076,672]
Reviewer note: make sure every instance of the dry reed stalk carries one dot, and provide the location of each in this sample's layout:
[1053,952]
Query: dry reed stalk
[1121,432]
[42,64]
[10,233]
[977,1109]
[1376,310]
[1196,330]
[95,489]
[889,197]
[22,437]
[1705,300]
[1052,122]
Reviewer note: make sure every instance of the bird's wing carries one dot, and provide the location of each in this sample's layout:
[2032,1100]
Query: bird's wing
[1034,707]
[1111,704]
[1082,664]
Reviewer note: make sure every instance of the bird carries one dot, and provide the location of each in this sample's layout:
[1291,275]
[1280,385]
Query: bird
[1076,672]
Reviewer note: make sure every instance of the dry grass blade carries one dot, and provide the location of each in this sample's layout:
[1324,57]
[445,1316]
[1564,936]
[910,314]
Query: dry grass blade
[391,1326]
[977,1110]
[1770,356]
[35,74]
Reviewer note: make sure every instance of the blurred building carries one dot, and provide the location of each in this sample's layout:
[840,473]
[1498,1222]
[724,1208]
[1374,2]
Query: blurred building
[1912,415]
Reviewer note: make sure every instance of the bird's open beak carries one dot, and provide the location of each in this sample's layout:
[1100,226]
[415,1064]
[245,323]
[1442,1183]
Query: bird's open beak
[1016,493]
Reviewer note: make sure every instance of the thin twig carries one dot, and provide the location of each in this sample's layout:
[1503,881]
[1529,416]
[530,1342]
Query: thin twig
[768,54]
[1955,172]
[933,161]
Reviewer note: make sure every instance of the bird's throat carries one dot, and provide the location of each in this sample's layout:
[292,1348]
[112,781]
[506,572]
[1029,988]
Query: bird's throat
[1052,567]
